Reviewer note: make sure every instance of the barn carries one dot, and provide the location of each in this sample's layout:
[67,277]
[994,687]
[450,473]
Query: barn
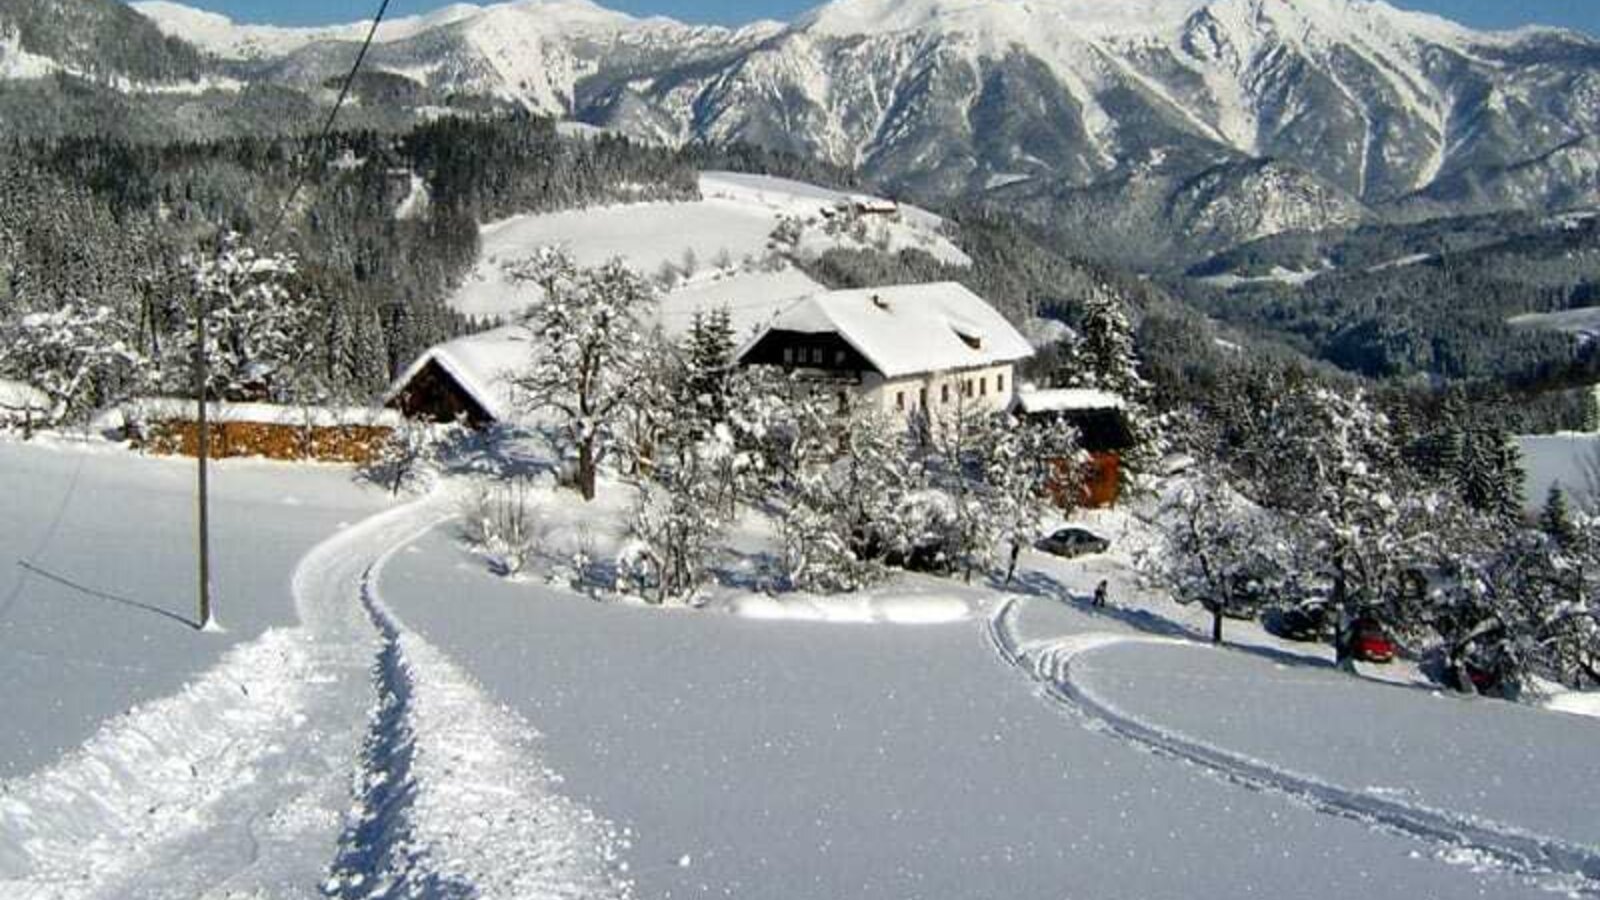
[466,380]
[1103,431]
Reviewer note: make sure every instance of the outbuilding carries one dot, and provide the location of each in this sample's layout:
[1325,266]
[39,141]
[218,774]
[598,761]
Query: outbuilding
[467,380]
[1101,419]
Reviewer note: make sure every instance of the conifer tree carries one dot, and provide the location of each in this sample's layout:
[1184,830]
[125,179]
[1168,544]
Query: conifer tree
[1556,520]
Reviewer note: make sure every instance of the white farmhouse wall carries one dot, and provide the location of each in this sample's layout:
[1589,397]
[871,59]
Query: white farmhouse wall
[987,389]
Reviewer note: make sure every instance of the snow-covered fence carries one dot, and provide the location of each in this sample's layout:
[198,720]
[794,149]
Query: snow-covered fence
[22,407]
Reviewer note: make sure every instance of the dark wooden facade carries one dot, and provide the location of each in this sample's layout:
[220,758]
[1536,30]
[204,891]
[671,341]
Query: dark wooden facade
[828,355]
[1103,434]
[435,395]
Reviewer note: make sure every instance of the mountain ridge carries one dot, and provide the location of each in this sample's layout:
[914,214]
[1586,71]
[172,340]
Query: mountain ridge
[1361,108]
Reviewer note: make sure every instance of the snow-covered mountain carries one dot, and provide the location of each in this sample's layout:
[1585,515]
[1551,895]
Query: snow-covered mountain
[101,40]
[533,53]
[1353,98]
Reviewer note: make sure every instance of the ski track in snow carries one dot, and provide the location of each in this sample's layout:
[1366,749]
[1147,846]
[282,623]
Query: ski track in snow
[1561,866]
[239,785]
[227,787]
[453,799]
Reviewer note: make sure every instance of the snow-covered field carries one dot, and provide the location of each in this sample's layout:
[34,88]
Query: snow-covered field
[1583,322]
[1570,460]
[384,717]
[721,243]
[758,759]
[103,623]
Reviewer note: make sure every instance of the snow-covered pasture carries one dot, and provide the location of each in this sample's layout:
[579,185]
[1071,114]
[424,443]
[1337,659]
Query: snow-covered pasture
[727,232]
[103,623]
[763,759]
[1571,460]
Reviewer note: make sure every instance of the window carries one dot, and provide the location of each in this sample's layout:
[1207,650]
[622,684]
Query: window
[838,358]
[1000,384]
[983,386]
[900,400]
[788,356]
[816,356]
[944,393]
[922,398]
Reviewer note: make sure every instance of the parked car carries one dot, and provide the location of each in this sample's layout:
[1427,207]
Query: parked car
[1489,673]
[1306,622]
[1370,642]
[1071,543]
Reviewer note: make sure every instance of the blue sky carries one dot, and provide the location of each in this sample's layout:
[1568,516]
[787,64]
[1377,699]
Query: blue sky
[1581,14]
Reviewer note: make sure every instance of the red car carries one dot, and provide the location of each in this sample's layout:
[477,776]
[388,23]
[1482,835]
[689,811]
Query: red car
[1370,643]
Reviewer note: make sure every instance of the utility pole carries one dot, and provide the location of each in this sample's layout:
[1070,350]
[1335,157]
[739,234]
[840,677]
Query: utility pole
[202,377]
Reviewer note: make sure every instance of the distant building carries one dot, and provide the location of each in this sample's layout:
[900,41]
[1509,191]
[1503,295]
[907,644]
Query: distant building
[933,349]
[1103,432]
[466,380]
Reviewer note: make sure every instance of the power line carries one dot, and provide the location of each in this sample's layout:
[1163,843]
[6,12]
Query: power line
[327,126]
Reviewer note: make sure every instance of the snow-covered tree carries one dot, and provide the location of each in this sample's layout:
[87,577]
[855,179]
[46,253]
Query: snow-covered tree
[1222,551]
[709,358]
[841,506]
[1556,519]
[589,347]
[256,324]
[81,357]
[1029,468]
[1325,459]
[1104,357]
[678,517]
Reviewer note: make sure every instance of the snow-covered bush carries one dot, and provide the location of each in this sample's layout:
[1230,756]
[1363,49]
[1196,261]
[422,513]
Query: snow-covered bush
[408,459]
[500,521]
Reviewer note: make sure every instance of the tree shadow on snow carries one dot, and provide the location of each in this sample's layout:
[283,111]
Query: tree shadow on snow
[1041,585]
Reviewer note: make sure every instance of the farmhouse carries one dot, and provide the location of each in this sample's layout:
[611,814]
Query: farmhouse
[1103,432]
[169,426]
[466,380]
[934,349]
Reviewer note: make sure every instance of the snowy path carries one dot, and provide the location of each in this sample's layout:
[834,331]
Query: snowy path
[234,786]
[1556,863]
[454,802]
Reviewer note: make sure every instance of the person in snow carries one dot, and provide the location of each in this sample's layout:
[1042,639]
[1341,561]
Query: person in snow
[1100,591]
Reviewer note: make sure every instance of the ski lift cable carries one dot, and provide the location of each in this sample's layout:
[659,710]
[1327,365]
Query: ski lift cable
[327,125]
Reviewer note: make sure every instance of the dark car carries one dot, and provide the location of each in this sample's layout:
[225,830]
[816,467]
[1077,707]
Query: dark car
[1071,543]
[1486,673]
[1370,642]
[1306,622]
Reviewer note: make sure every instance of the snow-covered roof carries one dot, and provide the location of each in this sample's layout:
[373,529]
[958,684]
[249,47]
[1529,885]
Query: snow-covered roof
[1067,400]
[482,364]
[156,409]
[909,329]
[18,397]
